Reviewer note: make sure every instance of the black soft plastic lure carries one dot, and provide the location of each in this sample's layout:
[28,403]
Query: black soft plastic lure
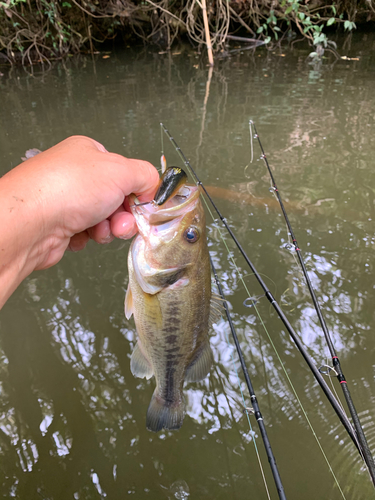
[171,181]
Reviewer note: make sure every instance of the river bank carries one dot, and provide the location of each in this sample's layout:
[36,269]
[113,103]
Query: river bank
[44,30]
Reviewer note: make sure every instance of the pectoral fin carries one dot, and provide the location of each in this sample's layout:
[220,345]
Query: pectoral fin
[129,306]
[139,365]
[200,367]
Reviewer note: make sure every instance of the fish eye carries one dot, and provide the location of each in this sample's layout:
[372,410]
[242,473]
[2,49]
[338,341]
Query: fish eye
[191,234]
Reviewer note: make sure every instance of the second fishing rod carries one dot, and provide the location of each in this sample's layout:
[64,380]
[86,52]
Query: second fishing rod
[324,386]
[253,398]
[366,453]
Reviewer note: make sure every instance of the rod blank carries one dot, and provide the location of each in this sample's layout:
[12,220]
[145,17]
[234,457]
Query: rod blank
[366,453]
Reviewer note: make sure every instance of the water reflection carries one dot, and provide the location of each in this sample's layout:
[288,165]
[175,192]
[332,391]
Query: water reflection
[72,416]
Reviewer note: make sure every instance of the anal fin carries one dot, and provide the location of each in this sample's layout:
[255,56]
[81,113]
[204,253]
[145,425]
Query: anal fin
[139,365]
[200,367]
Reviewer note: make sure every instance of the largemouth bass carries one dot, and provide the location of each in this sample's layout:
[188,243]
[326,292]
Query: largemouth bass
[169,294]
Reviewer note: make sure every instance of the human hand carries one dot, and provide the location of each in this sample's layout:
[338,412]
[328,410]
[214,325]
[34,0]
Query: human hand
[66,195]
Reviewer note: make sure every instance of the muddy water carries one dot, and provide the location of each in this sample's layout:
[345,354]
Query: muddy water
[72,416]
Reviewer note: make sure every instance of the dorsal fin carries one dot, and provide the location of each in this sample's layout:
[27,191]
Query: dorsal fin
[217,309]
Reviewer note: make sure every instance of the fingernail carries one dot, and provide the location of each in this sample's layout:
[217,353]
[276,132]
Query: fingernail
[108,239]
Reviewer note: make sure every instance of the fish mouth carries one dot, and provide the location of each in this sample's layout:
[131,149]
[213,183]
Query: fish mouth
[171,209]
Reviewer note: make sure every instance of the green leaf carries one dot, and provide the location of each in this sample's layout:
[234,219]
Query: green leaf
[288,10]
[267,40]
[276,28]
[320,39]
[67,4]
[260,29]
[348,25]
[331,21]
[301,15]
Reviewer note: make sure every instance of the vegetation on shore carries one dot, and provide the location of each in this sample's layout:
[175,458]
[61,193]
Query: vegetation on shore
[41,30]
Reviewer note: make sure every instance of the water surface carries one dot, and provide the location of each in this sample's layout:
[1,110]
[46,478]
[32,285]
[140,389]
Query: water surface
[72,416]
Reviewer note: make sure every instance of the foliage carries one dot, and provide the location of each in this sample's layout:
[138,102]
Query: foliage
[309,20]
[45,29]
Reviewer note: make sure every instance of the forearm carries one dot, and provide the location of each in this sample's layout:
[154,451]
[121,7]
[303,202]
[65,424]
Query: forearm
[22,235]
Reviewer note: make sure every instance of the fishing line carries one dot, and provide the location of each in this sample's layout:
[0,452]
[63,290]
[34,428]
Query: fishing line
[252,432]
[300,403]
[331,376]
[343,418]
[337,407]
[364,448]
[283,368]
[254,401]
[251,143]
[251,147]
[162,141]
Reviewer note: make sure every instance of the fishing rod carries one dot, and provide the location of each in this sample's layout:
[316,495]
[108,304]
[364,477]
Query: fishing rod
[254,401]
[331,398]
[367,456]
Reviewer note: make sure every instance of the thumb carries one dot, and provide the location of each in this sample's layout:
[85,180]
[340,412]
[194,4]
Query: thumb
[135,176]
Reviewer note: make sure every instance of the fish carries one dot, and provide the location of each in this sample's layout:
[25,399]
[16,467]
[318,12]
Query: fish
[240,196]
[169,294]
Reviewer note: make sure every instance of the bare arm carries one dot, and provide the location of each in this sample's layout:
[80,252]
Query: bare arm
[60,199]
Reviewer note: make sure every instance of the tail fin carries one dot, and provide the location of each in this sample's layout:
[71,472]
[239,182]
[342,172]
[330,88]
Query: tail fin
[163,415]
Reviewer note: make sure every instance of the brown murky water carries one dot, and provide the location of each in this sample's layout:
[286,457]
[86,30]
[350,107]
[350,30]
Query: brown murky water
[72,417]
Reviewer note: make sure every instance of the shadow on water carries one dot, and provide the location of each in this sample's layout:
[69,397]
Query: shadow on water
[72,421]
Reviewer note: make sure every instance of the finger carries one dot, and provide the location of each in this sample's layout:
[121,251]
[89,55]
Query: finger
[99,146]
[101,233]
[89,141]
[78,241]
[120,209]
[136,176]
[123,225]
